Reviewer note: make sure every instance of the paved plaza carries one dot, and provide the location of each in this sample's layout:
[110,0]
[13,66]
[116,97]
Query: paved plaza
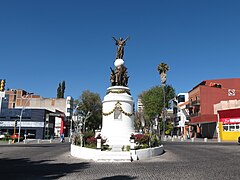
[181,160]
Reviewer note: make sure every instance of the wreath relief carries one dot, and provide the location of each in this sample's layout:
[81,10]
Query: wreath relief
[118,106]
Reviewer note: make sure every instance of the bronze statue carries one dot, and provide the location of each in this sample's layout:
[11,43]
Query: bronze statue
[120,50]
[113,77]
[119,77]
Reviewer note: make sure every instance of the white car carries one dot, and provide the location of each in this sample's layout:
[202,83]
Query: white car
[2,136]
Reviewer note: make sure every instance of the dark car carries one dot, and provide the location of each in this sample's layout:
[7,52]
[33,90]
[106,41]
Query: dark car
[239,139]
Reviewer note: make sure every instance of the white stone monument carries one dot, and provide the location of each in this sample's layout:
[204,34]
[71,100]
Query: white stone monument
[118,105]
[118,116]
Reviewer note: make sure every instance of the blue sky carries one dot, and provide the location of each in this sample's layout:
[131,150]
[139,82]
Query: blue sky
[45,42]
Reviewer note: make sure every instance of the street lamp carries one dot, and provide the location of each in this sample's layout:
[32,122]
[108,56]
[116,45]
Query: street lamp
[20,120]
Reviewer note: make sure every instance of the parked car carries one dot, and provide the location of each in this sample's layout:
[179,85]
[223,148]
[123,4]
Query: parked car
[2,136]
[239,139]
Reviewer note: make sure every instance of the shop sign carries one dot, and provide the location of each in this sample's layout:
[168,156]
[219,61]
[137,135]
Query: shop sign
[230,120]
[231,92]
[23,124]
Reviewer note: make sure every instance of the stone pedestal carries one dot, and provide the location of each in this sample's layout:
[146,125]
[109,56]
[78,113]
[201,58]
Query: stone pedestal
[118,116]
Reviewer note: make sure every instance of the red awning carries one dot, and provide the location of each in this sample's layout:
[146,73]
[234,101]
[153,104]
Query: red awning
[207,118]
[229,113]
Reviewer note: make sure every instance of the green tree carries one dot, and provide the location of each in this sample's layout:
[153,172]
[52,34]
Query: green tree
[90,108]
[162,69]
[153,102]
[59,91]
[137,121]
[63,89]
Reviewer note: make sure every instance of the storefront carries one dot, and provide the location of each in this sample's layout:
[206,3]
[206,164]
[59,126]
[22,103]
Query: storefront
[35,123]
[229,124]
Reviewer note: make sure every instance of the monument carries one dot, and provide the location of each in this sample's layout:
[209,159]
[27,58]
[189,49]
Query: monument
[117,120]
[118,104]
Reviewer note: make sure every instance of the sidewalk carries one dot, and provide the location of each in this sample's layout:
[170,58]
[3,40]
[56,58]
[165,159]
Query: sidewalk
[35,141]
[181,139]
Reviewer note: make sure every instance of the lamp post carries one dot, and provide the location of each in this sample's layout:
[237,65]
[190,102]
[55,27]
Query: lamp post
[20,120]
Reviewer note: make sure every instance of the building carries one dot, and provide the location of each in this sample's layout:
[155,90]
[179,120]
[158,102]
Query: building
[228,120]
[182,116]
[140,111]
[53,113]
[19,98]
[202,98]
[35,122]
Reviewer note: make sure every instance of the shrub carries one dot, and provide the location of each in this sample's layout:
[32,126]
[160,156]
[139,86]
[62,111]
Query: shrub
[77,140]
[105,147]
[91,140]
[141,139]
[126,148]
[155,141]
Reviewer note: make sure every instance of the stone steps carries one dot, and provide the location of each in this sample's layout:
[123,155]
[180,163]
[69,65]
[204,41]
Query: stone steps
[114,157]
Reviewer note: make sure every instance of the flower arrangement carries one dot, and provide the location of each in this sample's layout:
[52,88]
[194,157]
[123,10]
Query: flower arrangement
[142,141]
[91,142]
[142,138]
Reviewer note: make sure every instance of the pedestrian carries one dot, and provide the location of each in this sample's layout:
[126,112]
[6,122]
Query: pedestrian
[62,138]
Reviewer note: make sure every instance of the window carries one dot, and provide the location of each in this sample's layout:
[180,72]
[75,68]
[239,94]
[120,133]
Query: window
[237,127]
[225,127]
[181,98]
[231,127]
[14,97]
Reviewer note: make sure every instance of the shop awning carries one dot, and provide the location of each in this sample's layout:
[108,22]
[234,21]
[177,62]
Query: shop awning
[207,118]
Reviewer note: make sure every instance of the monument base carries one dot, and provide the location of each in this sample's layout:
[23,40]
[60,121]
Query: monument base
[118,116]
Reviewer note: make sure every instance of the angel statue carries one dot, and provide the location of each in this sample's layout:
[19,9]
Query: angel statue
[120,50]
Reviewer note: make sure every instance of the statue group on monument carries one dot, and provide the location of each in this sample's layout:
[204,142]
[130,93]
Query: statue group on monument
[119,76]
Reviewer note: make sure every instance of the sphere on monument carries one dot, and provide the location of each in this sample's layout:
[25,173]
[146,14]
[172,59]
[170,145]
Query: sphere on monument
[118,62]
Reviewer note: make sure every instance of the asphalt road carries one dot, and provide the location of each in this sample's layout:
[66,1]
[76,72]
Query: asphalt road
[182,160]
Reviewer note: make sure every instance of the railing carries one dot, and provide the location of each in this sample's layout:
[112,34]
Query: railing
[189,106]
[195,114]
[196,103]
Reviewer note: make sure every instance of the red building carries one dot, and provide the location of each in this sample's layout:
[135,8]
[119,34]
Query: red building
[201,104]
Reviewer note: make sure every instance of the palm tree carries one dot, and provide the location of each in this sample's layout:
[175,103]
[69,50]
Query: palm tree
[162,69]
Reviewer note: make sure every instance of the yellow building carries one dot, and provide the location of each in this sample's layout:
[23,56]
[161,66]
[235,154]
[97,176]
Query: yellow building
[228,120]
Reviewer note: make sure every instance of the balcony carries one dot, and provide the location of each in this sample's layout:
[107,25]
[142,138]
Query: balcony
[189,106]
[196,103]
[195,114]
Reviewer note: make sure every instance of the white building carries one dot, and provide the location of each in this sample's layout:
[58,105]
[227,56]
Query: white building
[182,113]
